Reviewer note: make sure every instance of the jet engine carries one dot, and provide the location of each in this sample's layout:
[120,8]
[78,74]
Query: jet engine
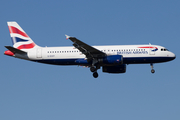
[114,69]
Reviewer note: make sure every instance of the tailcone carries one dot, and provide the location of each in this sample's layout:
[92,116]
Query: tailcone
[9,53]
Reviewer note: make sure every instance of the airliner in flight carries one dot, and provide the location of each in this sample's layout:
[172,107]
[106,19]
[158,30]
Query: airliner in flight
[112,58]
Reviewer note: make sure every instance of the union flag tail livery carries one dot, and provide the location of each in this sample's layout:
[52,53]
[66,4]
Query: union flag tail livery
[20,40]
[112,59]
[19,37]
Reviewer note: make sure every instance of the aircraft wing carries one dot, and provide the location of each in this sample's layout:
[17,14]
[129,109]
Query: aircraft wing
[86,49]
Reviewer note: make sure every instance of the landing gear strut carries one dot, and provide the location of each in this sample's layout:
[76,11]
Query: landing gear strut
[94,68]
[152,70]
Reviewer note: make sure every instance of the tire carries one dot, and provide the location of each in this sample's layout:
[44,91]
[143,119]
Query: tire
[152,71]
[92,69]
[95,74]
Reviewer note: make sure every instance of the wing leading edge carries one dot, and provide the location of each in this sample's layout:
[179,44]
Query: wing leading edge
[86,49]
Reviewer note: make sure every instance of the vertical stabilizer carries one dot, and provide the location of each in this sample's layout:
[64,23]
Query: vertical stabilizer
[19,37]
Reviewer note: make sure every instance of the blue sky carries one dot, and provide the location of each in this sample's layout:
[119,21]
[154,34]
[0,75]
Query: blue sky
[37,91]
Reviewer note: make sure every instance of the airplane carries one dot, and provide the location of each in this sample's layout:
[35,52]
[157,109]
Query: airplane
[112,58]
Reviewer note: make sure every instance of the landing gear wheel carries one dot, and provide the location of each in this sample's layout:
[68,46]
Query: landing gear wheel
[152,71]
[92,69]
[95,74]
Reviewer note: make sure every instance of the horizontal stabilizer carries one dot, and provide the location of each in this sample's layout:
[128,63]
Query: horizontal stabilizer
[14,50]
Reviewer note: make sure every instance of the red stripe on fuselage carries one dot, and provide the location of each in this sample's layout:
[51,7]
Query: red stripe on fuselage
[17,31]
[148,47]
[26,46]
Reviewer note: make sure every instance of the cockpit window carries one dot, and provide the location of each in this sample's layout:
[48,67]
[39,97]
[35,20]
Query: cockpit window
[164,49]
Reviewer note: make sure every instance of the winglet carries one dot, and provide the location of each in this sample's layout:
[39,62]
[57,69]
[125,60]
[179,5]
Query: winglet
[67,37]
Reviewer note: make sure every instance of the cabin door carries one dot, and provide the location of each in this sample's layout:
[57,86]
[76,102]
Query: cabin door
[39,53]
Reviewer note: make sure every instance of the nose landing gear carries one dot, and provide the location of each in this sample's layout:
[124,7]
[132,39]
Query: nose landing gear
[152,70]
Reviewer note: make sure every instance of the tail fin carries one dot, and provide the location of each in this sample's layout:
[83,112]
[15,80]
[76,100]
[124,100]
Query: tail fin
[19,37]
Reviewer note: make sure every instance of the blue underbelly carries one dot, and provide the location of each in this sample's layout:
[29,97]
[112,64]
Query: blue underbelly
[129,60]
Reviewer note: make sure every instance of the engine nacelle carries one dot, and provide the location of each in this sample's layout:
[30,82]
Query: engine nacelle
[115,69]
[112,59]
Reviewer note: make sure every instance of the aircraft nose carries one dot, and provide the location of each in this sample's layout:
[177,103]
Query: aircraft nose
[173,56]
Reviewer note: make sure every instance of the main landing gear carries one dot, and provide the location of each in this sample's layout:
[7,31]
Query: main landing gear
[95,74]
[94,70]
[152,70]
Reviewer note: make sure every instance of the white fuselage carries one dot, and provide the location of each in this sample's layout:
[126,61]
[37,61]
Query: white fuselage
[132,54]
